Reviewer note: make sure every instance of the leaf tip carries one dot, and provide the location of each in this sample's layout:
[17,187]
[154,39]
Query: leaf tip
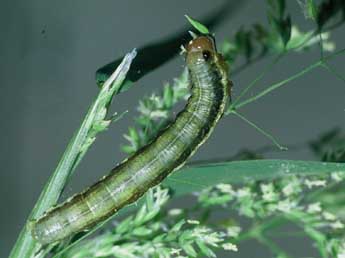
[197,25]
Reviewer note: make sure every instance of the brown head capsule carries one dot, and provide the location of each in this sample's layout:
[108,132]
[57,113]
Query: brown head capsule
[201,49]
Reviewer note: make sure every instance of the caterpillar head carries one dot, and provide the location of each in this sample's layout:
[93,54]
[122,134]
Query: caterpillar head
[201,49]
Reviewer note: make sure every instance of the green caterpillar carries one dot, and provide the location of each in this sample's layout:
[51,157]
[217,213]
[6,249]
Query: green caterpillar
[129,180]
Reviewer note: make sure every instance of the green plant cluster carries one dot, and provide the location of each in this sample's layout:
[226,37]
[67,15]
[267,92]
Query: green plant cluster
[155,231]
[270,205]
[330,146]
[281,35]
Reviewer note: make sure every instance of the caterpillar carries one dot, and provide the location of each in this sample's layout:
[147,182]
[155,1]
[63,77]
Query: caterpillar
[128,181]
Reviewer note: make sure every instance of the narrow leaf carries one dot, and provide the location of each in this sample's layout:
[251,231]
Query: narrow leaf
[25,245]
[311,9]
[197,25]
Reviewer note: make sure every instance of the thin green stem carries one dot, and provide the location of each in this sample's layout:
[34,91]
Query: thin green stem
[321,45]
[274,248]
[257,79]
[334,54]
[238,156]
[261,228]
[311,232]
[281,83]
[268,135]
[286,234]
[334,72]
[278,85]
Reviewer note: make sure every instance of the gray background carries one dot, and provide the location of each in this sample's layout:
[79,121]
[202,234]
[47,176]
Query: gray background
[47,84]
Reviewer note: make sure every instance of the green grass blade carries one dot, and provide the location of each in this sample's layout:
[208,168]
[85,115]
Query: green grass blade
[195,178]
[197,25]
[25,245]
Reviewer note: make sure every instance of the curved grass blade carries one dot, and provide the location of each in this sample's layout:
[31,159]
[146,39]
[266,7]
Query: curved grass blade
[93,123]
[153,55]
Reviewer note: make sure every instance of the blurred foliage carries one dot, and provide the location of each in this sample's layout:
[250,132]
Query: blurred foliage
[328,10]
[330,146]
[192,232]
